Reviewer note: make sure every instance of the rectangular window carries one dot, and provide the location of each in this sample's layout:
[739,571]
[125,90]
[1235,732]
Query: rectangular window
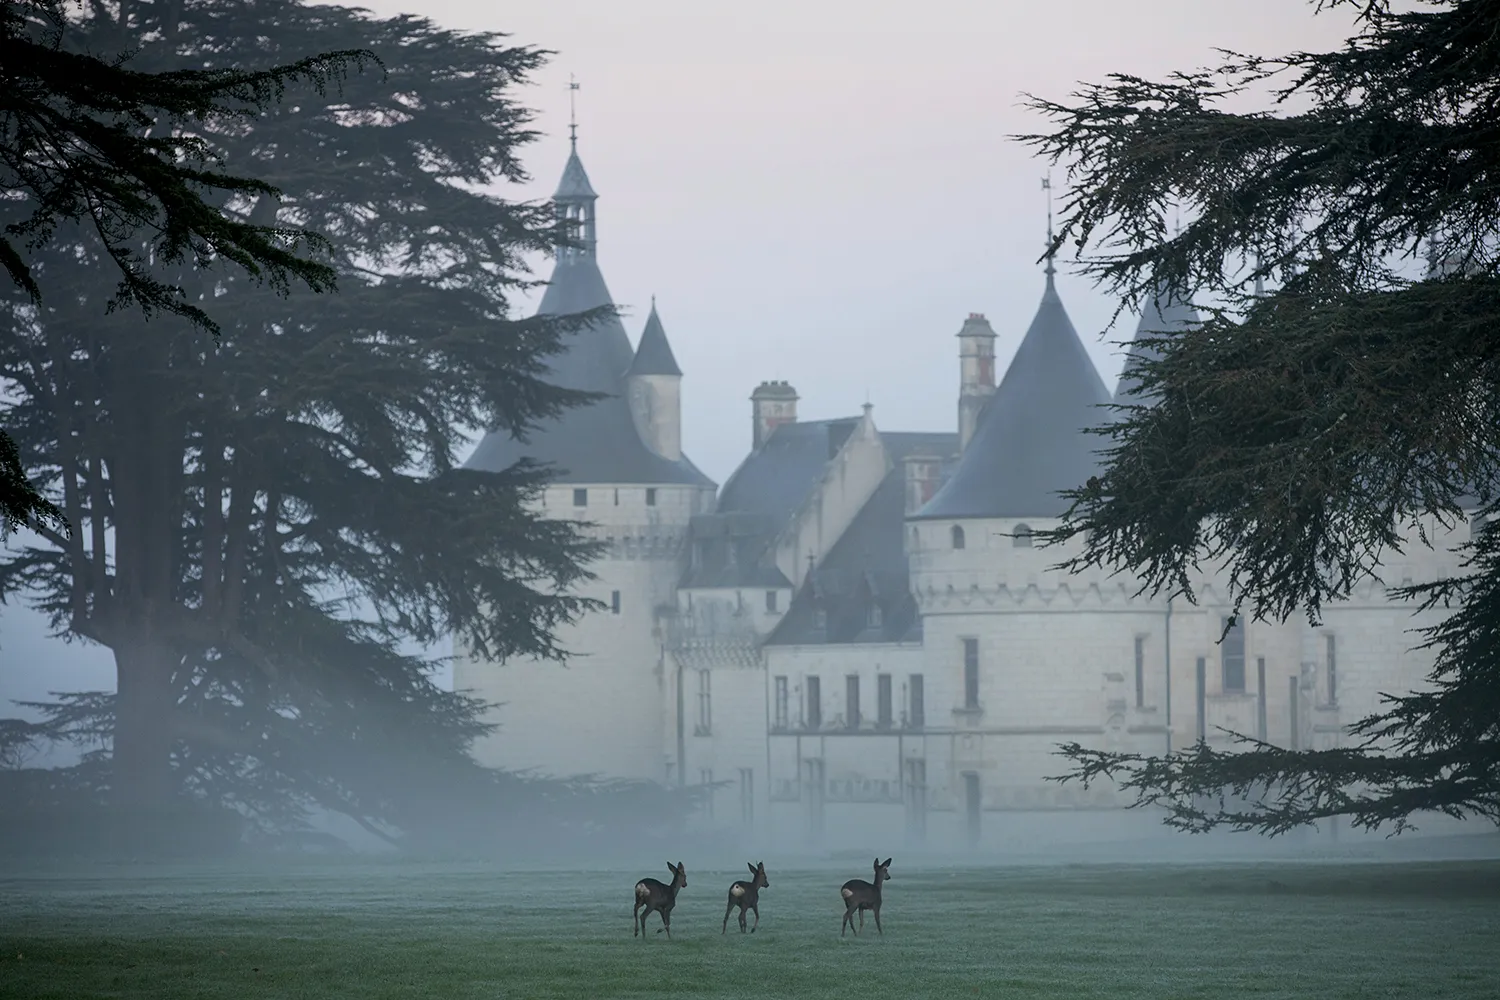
[779,719]
[916,716]
[747,795]
[851,701]
[1333,671]
[1140,671]
[614,601]
[706,778]
[971,673]
[705,707]
[580,498]
[617,497]
[1232,657]
[814,708]
[771,601]
[651,496]
[883,700]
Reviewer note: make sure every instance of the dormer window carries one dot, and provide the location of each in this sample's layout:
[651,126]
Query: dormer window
[820,618]
[957,532]
[875,617]
[1021,537]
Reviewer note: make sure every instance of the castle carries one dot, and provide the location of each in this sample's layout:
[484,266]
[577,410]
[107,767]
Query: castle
[856,633]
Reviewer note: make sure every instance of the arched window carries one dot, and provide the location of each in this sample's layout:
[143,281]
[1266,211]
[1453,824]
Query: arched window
[1021,537]
[915,540]
[958,536]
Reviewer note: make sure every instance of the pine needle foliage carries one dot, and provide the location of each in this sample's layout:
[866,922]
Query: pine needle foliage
[127,152]
[267,521]
[1298,437]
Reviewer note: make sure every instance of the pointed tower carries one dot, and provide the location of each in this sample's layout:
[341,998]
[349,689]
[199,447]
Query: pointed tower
[599,442]
[1031,440]
[976,380]
[654,384]
[617,465]
[1163,315]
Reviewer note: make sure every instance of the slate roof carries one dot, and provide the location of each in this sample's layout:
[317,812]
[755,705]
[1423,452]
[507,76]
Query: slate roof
[653,356]
[598,442]
[1156,319]
[1030,442]
[867,568]
[575,180]
[732,547]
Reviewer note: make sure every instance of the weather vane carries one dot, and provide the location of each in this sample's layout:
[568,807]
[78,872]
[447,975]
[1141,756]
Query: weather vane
[1047,187]
[572,110]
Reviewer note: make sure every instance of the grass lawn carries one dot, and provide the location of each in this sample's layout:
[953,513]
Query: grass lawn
[457,931]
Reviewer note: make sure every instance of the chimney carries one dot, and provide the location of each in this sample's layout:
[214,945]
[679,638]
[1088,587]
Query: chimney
[772,404]
[923,476]
[976,380]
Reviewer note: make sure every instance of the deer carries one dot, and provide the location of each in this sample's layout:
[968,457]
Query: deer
[658,897]
[860,896]
[746,895]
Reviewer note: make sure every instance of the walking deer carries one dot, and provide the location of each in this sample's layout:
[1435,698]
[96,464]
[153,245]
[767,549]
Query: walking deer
[658,897]
[860,896]
[746,895]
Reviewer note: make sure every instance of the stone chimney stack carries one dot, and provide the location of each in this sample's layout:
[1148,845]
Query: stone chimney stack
[923,477]
[976,383]
[772,404]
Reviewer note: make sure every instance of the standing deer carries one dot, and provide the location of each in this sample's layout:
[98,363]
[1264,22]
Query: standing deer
[746,895]
[658,897]
[860,896]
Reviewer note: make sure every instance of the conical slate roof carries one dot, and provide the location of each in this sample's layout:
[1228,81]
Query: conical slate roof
[1030,443]
[575,180]
[597,442]
[1161,315]
[653,355]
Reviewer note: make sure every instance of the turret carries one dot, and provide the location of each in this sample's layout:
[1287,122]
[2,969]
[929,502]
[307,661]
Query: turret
[654,386]
[771,404]
[976,384]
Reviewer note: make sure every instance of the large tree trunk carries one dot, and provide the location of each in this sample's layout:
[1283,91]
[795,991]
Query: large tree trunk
[144,730]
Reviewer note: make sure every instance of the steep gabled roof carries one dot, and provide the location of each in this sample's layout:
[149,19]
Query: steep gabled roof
[654,355]
[1030,443]
[734,546]
[867,567]
[597,442]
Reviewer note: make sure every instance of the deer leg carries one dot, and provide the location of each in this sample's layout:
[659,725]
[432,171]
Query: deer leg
[757,917]
[727,911]
[876,911]
[742,919]
[666,922]
[861,918]
[636,920]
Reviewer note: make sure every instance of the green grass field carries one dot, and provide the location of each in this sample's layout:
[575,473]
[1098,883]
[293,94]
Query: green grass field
[427,931]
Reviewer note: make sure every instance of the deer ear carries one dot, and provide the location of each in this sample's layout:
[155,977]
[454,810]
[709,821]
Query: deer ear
[887,863]
[752,869]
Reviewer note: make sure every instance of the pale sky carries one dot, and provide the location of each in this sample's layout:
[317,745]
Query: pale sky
[817,191]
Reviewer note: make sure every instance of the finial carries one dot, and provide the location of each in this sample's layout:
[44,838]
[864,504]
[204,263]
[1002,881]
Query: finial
[572,112]
[653,302]
[1260,279]
[1047,187]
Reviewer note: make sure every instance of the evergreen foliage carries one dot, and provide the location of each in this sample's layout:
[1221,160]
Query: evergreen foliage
[1296,439]
[265,521]
[123,150]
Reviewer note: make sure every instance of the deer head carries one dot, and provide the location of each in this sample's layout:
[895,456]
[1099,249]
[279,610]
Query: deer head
[759,873]
[679,874]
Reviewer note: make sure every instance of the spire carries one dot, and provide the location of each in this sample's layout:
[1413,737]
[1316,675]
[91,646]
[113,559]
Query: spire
[653,356]
[575,196]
